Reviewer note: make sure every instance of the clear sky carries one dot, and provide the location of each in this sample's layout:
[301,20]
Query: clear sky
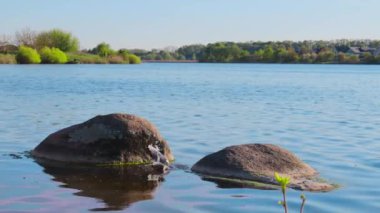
[160,23]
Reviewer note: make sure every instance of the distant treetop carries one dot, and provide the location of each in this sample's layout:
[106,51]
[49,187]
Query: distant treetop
[57,38]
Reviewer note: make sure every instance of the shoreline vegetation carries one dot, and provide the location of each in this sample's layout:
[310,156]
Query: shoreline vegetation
[59,47]
[281,52]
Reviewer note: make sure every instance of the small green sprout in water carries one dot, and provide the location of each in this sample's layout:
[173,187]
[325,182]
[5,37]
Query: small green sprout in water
[283,181]
[303,198]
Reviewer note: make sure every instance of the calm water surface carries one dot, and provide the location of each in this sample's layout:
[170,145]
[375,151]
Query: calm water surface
[328,115]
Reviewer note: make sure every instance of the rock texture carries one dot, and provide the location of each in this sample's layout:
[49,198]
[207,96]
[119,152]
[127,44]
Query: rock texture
[258,162]
[113,138]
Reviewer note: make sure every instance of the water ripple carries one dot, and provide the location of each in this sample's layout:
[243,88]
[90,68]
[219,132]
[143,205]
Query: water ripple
[328,115]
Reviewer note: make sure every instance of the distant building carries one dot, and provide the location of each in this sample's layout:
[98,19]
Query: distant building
[371,50]
[8,48]
[376,52]
[354,51]
[360,51]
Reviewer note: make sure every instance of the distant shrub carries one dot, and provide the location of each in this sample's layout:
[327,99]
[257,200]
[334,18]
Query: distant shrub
[103,49]
[52,56]
[353,59]
[57,38]
[27,55]
[125,54]
[348,59]
[377,59]
[123,51]
[7,59]
[134,59]
[116,59]
[83,58]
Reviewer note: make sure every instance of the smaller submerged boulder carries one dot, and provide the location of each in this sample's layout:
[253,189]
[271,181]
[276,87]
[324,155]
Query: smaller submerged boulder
[257,163]
[106,139]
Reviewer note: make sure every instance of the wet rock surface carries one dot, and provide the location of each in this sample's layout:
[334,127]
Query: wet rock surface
[121,138]
[257,163]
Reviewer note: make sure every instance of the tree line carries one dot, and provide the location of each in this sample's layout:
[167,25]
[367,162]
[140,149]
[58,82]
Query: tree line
[337,51]
[58,47]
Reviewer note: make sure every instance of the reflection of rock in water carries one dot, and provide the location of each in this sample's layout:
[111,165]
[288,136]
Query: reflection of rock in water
[227,183]
[117,187]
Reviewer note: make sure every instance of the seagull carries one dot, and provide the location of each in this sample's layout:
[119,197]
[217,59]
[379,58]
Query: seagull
[158,157]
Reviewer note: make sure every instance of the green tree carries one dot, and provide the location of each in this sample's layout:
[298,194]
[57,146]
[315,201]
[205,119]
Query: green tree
[308,58]
[326,56]
[213,52]
[348,59]
[52,56]
[124,54]
[57,38]
[166,55]
[306,48]
[268,54]
[342,58]
[27,55]
[134,59]
[103,49]
[281,55]
[234,53]
[223,52]
[377,60]
[353,59]
[191,52]
[368,58]
[259,55]
[292,56]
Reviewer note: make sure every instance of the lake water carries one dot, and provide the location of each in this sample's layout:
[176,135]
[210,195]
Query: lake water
[328,115]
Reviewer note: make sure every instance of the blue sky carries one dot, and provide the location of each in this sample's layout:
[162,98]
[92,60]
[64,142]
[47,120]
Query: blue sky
[160,23]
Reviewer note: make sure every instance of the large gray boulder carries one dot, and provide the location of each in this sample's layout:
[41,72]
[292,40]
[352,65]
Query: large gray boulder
[257,163]
[107,139]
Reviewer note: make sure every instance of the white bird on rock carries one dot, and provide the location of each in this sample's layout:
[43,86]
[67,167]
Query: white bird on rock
[158,157]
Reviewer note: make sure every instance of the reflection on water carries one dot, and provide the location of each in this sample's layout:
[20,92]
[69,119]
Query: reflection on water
[227,183]
[116,187]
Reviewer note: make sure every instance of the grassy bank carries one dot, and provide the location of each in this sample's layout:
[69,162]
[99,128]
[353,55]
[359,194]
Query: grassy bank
[8,59]
[78,58]
[58,47]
